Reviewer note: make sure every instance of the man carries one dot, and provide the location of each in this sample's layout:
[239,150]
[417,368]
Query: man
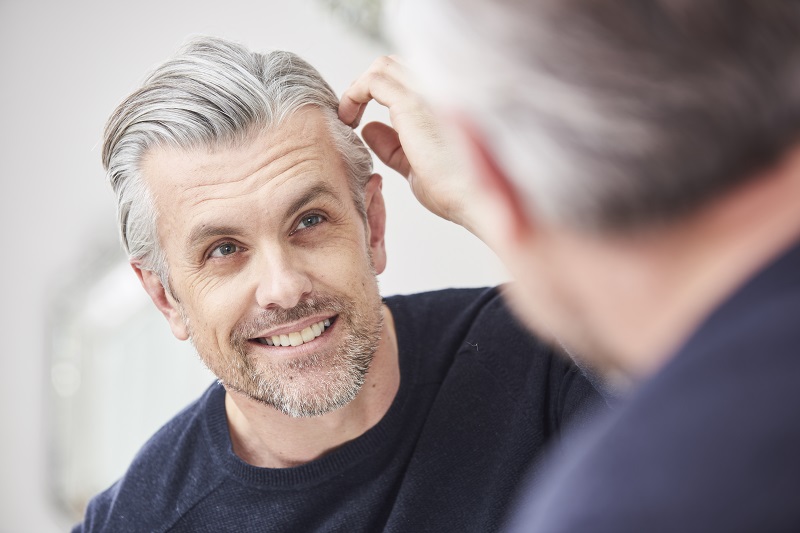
[639,173]
[254,222]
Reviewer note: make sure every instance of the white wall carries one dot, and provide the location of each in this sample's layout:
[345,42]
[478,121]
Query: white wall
[63,68]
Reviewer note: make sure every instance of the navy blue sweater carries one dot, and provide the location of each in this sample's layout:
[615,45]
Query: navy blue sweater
[479,399]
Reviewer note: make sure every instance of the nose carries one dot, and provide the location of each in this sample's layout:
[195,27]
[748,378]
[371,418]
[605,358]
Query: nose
[282,281]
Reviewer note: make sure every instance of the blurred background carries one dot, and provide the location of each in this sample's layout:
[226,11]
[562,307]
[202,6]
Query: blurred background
[89,367]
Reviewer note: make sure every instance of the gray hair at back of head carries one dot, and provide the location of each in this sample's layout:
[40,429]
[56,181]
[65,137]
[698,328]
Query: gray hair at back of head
[616,115]
[212,93]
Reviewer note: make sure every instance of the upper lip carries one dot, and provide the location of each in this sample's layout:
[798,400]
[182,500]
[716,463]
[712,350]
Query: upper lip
[294,326]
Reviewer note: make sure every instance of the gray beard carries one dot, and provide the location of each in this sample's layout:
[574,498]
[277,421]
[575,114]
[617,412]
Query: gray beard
[317,384]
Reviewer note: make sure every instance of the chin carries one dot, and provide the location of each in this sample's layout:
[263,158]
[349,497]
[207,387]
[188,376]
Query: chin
[312,386]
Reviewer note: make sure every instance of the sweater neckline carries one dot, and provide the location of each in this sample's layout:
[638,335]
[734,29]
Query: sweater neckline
[337,461]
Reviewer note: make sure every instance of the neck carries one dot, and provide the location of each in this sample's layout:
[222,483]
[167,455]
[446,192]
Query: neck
[263,436]
[653,291]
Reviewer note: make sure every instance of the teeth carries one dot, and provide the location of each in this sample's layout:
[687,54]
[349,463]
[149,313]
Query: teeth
[295,339]
[298,337]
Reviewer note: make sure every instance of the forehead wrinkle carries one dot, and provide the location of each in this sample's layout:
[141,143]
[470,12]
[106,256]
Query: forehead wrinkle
[274,160]
[240,169]
[256,184]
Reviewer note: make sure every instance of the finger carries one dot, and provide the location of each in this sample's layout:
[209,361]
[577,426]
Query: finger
[386,82]
[353,102]
[350,110]
[385,142]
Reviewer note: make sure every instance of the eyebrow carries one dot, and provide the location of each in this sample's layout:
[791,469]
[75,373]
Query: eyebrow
[316,191]
[207,232]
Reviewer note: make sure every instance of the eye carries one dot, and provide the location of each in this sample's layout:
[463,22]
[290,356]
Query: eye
[226,248]
[309,220]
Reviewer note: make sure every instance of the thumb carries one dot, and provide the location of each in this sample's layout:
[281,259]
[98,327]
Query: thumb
[385,142]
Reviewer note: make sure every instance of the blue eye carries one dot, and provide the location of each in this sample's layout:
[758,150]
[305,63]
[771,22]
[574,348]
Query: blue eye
[226,248]
[308,221]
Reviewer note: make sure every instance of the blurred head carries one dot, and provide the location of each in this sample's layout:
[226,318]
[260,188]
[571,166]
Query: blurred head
[612,115]
[604,120]
[253,221]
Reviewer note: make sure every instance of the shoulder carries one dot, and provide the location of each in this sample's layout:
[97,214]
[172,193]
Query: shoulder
[452,319]
[708,444]
[444,303]
[169,474]
[456,311]
[473,331]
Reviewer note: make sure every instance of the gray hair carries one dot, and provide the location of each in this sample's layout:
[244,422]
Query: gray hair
[212,93]
[613,115]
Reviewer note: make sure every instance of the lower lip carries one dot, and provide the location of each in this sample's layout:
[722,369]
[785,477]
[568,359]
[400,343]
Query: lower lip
[303,349]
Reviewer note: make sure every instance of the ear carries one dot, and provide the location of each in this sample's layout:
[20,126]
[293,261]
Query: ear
[164,301]
[376,221]
[508,215]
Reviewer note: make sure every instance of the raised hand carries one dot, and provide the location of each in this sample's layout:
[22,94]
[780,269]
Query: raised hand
[415,145]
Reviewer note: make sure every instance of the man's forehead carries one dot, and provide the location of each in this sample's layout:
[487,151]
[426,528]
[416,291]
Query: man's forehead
[302,141]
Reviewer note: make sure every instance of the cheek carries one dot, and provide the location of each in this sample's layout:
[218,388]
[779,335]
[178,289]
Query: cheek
[214,304]
[341,262]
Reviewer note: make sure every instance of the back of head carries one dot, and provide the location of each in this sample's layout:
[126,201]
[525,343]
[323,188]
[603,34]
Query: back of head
[613,115]
[214,93]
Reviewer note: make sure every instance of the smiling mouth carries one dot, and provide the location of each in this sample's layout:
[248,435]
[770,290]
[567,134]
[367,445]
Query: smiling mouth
[296,338]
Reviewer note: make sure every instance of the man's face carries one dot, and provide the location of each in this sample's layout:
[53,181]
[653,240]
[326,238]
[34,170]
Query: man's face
[272,268]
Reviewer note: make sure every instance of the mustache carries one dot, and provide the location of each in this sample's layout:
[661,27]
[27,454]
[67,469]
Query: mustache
[271,318]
